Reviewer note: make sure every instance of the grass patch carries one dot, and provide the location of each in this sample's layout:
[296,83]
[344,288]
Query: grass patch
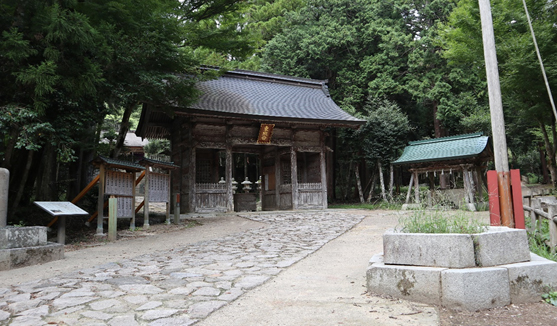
[441,222]
[370,206]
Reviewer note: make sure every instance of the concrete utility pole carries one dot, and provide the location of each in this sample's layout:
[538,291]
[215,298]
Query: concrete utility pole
[497,119]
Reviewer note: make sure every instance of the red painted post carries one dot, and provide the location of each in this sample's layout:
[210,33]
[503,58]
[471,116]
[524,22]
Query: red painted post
[493,191]
[518,209]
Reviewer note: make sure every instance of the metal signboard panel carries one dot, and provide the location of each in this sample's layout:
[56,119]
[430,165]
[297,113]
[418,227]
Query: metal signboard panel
[60,208]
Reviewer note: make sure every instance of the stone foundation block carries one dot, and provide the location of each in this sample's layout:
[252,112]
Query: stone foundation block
[425,249]
[529,280]
[420,284]
[19,237]
[20,257]
[475,288]
[501,245]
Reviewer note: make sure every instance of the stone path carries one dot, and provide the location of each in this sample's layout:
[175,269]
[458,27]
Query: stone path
[174,287]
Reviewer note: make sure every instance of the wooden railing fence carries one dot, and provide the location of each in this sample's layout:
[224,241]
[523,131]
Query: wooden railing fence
[539,208]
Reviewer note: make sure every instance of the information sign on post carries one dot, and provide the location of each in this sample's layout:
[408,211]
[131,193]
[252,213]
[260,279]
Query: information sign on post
[61,209]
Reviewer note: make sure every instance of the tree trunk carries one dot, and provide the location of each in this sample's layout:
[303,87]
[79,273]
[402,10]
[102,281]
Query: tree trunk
[22,182]
[47,175]
[391,181]
[6,163]
[550,148]
[381,180]
[347,184]
[543,164]
[124,128]
[359,183]
[372,188]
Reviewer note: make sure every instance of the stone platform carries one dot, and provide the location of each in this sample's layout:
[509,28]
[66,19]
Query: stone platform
[25,246]
[465,272]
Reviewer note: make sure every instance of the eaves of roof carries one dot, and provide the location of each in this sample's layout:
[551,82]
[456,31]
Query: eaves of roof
[442,149]
[119,164]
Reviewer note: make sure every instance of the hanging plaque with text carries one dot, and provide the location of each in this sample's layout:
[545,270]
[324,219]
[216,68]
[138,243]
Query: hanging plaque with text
[265,133]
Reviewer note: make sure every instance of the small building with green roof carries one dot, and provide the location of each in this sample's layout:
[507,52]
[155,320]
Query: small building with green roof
[466,155]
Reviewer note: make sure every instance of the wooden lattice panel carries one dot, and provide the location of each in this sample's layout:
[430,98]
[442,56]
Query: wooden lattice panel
[119,183]
[159,185]
[203,168]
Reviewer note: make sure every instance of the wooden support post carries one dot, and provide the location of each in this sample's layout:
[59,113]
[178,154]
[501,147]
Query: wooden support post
[497,117]
[410,188]
[505,200]
[323,173]
[100,203]
[112,218]
[536,219]
[294,175]
[518,209]
[493,191]
[177,208]
[146,198]
[132,221]
[228,176]
[278,178]
[431,190]
[416,188]
[192,173]
[551,212]
[168,203]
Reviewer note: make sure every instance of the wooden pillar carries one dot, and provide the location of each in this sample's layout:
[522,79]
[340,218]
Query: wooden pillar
[192,173]
[416,187]
[431,189]
[146,198]
[100,203]
[409,188]
[132,222]
[168,203]
[294,175]
[278,178]
[323,175]
[228,177]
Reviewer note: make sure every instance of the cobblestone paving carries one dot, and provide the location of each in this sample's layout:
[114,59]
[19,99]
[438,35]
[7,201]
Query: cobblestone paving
[175,287]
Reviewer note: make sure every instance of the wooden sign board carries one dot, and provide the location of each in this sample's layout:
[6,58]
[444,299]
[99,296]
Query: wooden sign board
[265,133]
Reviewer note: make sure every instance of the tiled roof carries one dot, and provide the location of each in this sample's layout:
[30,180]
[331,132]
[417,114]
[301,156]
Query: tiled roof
[125,165]
[149,161]
[268,96]
[442,149]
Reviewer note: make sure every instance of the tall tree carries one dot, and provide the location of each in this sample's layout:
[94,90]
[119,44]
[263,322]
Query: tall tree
[525,98]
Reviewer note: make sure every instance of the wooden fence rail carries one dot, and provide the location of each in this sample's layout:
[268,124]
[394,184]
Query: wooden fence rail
[544,207]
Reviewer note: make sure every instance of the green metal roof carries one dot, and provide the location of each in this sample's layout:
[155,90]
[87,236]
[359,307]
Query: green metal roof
[442,149]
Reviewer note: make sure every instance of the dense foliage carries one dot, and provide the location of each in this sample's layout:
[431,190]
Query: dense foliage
[412,69]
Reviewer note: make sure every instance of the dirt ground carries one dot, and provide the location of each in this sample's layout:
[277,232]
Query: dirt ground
[540,313]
